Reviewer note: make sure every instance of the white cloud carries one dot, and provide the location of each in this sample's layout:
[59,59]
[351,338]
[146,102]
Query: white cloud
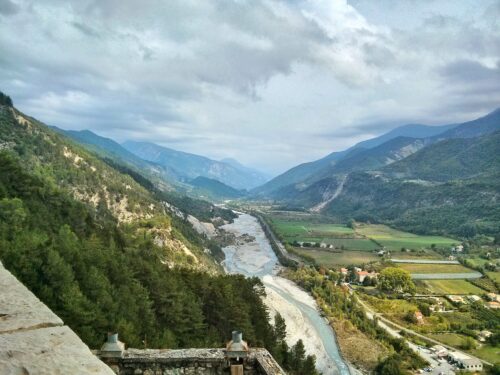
[268,82]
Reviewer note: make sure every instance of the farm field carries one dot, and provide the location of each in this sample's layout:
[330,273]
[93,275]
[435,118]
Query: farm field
[394,239]
[434,268]
[359,244]
[452,339]
[495,276]
[332,259]
[451,287]
[487,352]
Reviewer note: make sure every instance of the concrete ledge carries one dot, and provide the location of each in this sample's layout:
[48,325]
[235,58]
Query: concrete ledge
[34,340]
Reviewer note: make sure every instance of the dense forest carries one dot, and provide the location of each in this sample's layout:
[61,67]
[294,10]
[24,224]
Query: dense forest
[101,274]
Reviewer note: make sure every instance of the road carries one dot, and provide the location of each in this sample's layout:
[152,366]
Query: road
[388,325]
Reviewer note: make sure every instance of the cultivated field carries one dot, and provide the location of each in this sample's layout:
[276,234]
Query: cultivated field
[495,276]
[332,259]
[434,268]
[451,287]
[394,239]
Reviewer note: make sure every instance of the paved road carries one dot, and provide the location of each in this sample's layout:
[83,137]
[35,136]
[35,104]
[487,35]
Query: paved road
[389,327]
[425,261]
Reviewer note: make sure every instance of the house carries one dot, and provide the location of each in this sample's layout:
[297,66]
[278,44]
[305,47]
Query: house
[474,298]
[493,305]
[419,317]
[344,271]
[362,275]
[455,299]
[493,297]
[459,248]
[451,257]
[323,245]
[465,362]
[440,351]
[484,335]
[381,253]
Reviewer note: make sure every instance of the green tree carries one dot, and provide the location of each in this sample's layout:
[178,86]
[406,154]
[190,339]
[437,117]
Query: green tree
[394,279]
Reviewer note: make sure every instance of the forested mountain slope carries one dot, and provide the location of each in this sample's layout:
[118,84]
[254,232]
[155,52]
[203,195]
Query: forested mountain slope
[101,250]
[375,153]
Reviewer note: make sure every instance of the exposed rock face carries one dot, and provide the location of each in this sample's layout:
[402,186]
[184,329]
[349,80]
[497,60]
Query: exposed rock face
[33,340]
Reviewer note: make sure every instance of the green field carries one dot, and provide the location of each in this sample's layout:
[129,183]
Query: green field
[451,287]
[495,276]
[394,239]
[331,259]
[452,339]
[298,230]
[487,352]
[434,268]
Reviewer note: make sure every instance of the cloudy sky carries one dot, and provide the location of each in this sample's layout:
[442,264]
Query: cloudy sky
[271,83]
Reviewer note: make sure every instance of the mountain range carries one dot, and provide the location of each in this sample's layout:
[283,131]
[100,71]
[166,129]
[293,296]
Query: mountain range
[174,170]
[422,178]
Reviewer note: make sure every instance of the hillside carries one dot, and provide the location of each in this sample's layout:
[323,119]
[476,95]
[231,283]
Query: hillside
[109,149]
[214,189]
[451,159]
[189,166]
[376,152]
[104,253]
[446,183]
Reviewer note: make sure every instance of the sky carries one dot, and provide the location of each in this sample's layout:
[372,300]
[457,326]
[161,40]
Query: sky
[270,83]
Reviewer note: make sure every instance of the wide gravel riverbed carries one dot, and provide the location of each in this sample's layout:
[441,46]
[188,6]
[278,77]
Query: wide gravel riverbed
[256,258]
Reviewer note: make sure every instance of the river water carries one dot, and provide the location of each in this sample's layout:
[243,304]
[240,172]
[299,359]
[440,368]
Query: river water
[254,257]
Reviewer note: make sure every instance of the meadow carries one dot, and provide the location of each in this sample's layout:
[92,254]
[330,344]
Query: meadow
[333,259]
[393,239]
[451,287]
[434,268]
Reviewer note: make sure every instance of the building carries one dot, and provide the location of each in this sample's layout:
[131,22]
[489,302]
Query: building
[484,335]
[493,305]
[362,275]
[465,362]
[474,298]
[493,297]
[439,351]
[455,299]
[344,271]
[419,317]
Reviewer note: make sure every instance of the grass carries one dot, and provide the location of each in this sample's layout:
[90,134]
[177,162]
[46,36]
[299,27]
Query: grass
[495,276]
[452,339]
[434,268]
[451,287]
[487,352]
[394,239]
[332,259]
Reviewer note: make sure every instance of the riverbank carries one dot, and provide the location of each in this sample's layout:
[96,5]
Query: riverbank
[257,258]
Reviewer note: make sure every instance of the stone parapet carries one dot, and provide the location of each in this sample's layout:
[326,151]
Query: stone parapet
[190,361]
[34,340]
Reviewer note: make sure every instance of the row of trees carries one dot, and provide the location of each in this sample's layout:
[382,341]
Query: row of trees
[341,306]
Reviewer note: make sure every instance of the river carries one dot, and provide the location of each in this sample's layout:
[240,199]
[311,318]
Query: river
[254,257]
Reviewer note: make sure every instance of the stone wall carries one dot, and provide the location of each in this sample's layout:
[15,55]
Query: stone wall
[190,361]
[33,340]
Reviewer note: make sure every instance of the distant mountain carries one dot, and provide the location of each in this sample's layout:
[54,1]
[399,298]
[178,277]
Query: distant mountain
[190,166]
[256,173]
[375,153]
[214,189]
[445,183]
[451,159]
[305,171]
[109,149]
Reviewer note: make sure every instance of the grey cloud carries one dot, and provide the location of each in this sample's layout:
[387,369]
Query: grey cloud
[8,8]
